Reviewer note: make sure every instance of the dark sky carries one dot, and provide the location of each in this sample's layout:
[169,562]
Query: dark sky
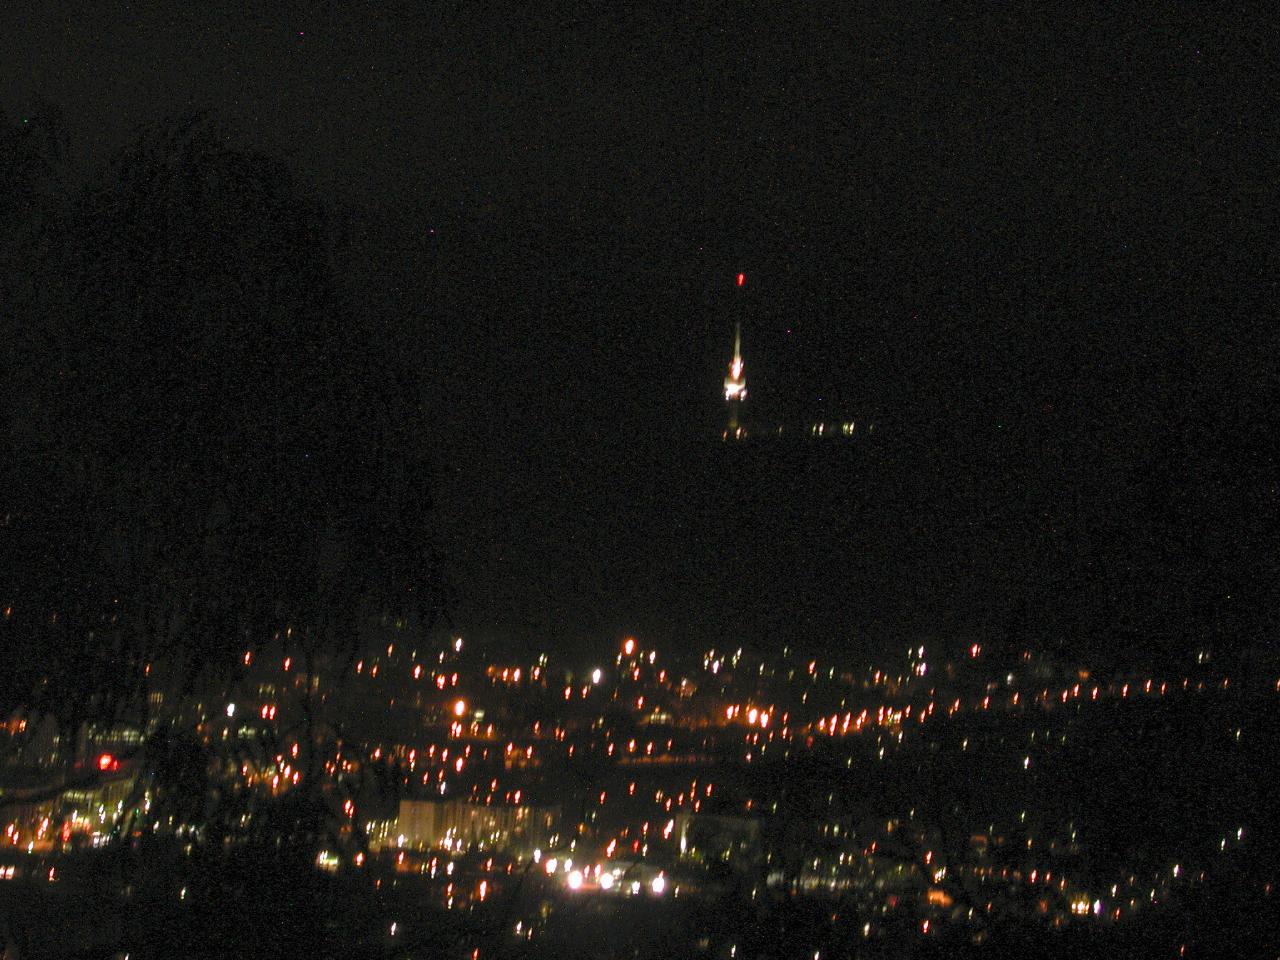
[1036,247]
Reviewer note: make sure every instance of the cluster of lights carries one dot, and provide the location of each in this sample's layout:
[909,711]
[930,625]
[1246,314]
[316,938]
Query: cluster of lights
[598,876]
[587,878]
[754,716]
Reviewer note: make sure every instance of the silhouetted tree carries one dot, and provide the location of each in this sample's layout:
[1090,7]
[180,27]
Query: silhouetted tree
[208,450]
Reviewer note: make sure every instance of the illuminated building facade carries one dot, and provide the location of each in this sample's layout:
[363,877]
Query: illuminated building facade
[459,825]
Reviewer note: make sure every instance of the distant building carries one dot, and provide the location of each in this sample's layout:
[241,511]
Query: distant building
[97,809]
[46,809]
[710,838]
[459,825]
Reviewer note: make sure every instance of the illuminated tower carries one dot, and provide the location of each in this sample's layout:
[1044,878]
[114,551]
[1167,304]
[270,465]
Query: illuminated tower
[735,384]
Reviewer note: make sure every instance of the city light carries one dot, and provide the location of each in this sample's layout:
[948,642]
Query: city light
[677,729]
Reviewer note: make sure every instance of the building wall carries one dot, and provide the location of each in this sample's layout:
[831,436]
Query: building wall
[458,824]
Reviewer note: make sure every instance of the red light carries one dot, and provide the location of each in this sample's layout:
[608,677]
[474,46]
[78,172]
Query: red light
[742,279]
[106,762]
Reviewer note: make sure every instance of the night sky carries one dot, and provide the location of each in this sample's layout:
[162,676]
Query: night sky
[1038,251]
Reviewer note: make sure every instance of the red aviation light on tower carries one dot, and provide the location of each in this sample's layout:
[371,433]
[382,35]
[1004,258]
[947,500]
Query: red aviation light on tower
[742,279]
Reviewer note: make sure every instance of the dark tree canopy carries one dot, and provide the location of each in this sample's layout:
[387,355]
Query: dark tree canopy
[207,444]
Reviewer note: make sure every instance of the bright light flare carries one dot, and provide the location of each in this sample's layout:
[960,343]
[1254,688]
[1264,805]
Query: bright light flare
[459,708]
[575,880]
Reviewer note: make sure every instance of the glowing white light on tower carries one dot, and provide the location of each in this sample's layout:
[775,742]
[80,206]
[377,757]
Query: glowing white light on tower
[735,384]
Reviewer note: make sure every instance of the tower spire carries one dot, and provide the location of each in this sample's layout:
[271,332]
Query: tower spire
[735,384]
